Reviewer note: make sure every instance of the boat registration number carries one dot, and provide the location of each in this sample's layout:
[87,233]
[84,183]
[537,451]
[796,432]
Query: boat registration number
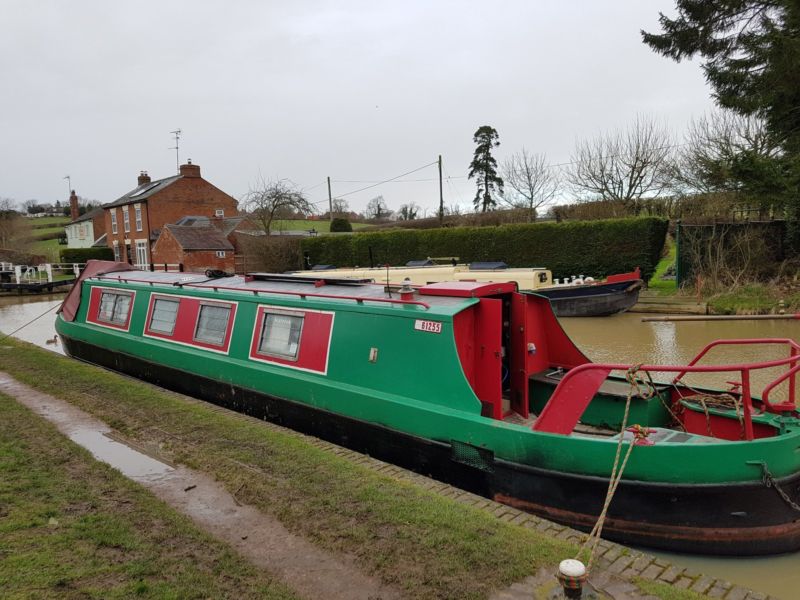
[429,326]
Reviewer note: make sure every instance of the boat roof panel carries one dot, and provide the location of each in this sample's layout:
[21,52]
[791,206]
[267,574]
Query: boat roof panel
[442,303]
[467,289]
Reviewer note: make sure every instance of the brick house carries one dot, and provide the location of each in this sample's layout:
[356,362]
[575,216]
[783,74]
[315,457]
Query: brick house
[134,221]
[83,231]
[197,243]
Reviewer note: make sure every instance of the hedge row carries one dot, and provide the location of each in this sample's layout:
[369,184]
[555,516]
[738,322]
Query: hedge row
[596,248]
[81,255]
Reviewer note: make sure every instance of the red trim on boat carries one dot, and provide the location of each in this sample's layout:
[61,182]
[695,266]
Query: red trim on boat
[93,313]
[467,289]
[315,339]
[186,322]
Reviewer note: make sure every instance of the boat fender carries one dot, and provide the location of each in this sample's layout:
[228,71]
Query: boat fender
[531,348]
[589,279]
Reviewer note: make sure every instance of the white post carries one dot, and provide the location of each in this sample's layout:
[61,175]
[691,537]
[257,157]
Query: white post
[18,273]
[76,269]
[49,270]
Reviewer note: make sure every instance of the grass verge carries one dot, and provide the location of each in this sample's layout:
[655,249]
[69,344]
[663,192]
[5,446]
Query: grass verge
[425,544]
[73,527]
[662,286]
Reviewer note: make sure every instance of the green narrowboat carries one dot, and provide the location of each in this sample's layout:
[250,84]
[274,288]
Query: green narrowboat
[473,383]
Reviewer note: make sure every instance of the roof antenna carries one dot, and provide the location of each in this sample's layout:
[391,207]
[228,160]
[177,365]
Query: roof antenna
[176,147]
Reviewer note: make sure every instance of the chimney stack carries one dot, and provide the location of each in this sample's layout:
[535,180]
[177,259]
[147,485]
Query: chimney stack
[190,170]
[74,212]
[143,178]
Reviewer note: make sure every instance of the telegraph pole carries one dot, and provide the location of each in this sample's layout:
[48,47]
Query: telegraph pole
[441,197]
[330,200]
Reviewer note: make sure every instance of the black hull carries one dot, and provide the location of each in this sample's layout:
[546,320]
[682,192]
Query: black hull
[747,519]
[600,300]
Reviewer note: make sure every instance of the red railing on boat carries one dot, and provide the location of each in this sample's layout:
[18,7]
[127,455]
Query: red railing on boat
[580,384]
[303,295]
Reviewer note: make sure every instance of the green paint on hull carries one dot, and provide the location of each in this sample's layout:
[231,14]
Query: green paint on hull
[417,386]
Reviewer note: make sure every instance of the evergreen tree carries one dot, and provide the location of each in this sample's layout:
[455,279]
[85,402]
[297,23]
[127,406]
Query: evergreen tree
[484,168]
[751,52]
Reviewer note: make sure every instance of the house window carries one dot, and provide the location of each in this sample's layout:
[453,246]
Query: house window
[219,213]
[212,324]
[220,253]
[126,220]
[113,220]
[141,253]
[164,314]
[138,211]
[116,252]
[114,307]
[280,335]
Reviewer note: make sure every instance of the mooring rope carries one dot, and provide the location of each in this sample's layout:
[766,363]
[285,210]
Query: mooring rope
[617,470]
[722,401]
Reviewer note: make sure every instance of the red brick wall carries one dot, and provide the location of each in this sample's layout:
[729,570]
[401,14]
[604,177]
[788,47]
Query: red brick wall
[167,250]
[187,196]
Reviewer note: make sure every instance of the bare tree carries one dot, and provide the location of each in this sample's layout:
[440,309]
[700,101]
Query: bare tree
[715,146]
[624,166]
[268,200]
[408,212]
[377,209]
[532,181]
[13,226]
[341,208]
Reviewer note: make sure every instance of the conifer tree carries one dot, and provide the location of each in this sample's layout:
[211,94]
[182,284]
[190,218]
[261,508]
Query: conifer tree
[484,168]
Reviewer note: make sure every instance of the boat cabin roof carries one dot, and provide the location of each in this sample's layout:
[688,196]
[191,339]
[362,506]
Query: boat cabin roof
[440,298]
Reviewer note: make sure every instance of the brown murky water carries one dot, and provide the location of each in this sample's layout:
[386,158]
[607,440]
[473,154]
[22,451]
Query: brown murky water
[620,339]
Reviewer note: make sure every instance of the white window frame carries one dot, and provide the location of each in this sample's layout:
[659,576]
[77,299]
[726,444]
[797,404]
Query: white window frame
[220,253]
[117,295]
[220,212]
[203,305]
[126,220]
[117,255]
[285,356]
[156,300]
[142,254]
[113,220]
[137,208]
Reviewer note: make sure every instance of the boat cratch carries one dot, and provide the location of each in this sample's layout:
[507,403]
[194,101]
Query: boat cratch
[473,383]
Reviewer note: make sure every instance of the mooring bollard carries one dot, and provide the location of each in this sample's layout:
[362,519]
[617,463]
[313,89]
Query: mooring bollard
[571,575]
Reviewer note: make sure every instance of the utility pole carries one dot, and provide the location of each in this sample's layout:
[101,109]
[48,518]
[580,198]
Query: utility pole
[441,197]
[330,200]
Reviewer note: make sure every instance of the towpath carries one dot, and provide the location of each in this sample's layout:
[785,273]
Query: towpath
[311,572]
[315,573]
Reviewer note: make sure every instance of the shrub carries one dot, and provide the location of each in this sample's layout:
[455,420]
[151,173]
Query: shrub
[596,248]
[339,225]
[81,255]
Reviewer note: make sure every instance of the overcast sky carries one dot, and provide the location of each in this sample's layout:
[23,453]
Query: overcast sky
[358,91]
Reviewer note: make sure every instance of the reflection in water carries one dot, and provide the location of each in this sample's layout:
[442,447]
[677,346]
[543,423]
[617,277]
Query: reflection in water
[620,339]
[625,339]
[16,311]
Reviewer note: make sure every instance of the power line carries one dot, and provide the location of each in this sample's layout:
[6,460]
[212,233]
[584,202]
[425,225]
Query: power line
[385,180]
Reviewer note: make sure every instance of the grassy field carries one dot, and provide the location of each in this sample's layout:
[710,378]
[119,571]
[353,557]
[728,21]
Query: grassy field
[71,527]
[656,284]
[425,544]
[300,224]
[47,248]
[45,222]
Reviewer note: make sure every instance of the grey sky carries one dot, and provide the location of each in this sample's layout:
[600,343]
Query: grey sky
[301,90]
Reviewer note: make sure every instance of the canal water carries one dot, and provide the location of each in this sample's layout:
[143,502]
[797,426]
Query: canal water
[620,339]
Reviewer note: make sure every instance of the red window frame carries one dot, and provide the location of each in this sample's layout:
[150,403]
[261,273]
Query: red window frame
[186,322]
[315,339]
[93,313]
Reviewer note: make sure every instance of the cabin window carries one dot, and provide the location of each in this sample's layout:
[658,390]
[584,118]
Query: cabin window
[212,324]
[280,335]
[114,307]
[164,315]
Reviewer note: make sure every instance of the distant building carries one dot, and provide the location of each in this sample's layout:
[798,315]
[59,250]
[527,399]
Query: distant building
[199,243]
[134,221]
[84,231]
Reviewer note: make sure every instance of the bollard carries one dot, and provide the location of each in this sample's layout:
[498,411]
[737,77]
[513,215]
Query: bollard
[571,575]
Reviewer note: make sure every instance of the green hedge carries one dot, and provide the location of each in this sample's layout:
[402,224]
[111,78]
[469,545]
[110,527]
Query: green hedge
[340,225]
[81,255]
[596,248]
